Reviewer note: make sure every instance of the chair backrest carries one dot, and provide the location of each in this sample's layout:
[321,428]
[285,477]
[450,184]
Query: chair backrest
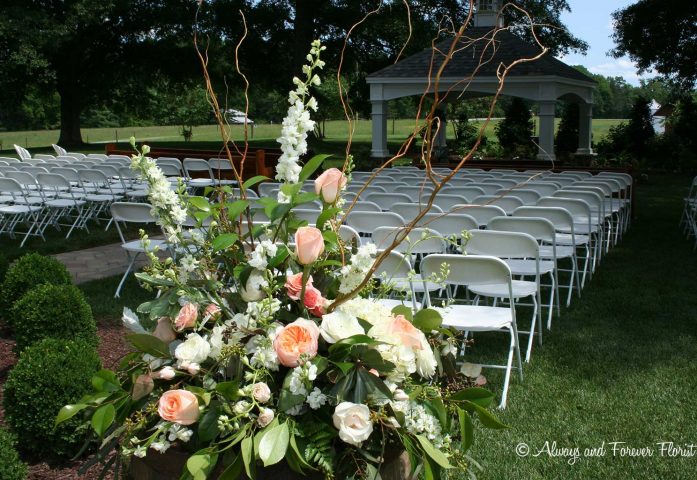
[507,203]
[543,188]
[43,156]
[559,217]
[386,200]
[70,174]
[131,212]
[79,156]
[169,170]
[481,213]
[594,200]
[500,182]
[489,188]
[10,185]
[578,209]
[539,228]
[23,178]
[197,165]
[388,186]
[409,211]
[22,152]
[93,176]
[10,160]
[107,170]
[448,224]
[349,235]
[528,197]
[502,244]
[33,170]
[71,159]
[445,201]
[97,156]
[468,270]
[367,222]
[415,191]
[562,180]
[307,214]
[365,206]
[468,192]
[59,150]
[268,189]
[417,241]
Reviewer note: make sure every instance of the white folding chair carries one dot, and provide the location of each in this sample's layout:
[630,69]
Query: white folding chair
[19,212]
[409,211]
[508,204]
[481,213]
[474,271]
[386,200]
[365,223]
[61,203]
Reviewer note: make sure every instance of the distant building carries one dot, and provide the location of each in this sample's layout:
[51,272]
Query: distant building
[659,113]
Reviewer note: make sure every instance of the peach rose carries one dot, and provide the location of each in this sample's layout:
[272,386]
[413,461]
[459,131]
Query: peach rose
[187,316]
[314,301]
[178,406]
[211,311]
[329,184]
[309,244]
[164,330]
[295,339]
[294,285]
[408,334]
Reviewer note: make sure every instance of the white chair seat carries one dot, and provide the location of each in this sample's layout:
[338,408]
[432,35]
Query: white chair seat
[201,182]
[29,201]
[137,245]
[565,239]
[546,251]
[476,318]
[68,196]
[64,203]
[527,267]
[102,198]
[521,288]
[17,209]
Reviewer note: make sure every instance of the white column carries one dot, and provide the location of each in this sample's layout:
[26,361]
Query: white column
[546,139]
[585,123]
[379,124]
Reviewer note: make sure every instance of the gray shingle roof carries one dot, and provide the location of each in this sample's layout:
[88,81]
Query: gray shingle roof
[509,47]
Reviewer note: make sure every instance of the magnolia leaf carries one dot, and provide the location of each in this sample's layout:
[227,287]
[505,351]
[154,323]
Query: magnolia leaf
[68,412]
[224,241]
[249,183]
[201,203]
[427,320]
[235,209]
[480,396]
[466,429]
[435,454]
[274,444]
[102,418]
[105,381]
[149,344]
[313,164]
[403,310]
[485,416]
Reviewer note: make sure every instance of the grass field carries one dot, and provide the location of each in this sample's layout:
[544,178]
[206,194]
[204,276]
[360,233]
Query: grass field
[336,131]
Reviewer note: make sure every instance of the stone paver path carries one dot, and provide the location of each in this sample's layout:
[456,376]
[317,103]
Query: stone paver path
[98,262]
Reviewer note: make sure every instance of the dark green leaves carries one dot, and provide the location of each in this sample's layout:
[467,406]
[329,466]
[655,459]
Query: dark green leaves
[102,419]
[150,344]
[427,320]
[313,164]
[224,241]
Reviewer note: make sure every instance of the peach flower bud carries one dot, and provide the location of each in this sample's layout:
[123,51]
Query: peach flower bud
[329,184]
[211,311]
[167,373]
[187,316]
[295,339]
[309,244]
[294,285]
[164,330]
[178,406]
[314,301]
[408,334]
[480,381]
[374,372]
[261,392]
[142,387]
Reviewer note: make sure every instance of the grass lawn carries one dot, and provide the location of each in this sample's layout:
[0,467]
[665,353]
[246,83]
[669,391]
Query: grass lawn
[618,366]
[40,140]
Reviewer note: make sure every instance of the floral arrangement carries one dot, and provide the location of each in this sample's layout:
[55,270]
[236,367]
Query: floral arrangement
[267,343]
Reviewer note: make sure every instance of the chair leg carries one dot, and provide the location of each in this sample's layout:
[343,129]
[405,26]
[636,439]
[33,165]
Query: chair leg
[509,366]
[533,325]
[125,275]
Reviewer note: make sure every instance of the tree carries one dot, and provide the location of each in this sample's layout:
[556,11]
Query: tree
[567,133]
[659,34]
[515,130]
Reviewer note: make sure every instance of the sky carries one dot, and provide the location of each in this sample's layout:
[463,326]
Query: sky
[591,21]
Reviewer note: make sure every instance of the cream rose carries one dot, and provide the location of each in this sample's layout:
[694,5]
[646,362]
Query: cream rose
[187,316]
[178,406]
[261,392]
[309,244]
[195,349]
[167,373]
[253,289]
[353,422]
[295,339]
[329,184]
[266,416]
[339,325]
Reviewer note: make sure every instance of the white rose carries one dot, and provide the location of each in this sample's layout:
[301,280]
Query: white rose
[353,422]
[167,373]
[339,325]
[252,291]
[265,417]
[216,341]
[400,395]
[471,370]
[194,349]
[261,392]
[426,362]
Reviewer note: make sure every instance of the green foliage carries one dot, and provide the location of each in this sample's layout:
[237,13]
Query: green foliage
[49,374]
[52,311]
[28,271]
[516,129]
[466,133]
[315,443]
[11,467]
[4,265]
[567,133]
[631,142]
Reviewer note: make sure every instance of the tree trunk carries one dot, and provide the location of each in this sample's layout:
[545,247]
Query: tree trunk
[303,32]
[71,107]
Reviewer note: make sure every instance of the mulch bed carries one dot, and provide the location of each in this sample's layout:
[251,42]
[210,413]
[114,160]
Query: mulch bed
[112,347]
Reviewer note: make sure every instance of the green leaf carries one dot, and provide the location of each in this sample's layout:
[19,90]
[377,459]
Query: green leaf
[360,388]
[466,429]
[373,359]
[435,454]
[313,164]
[344,366]
[403,310]
[234,470]
[247,449]
[200,464]
[354,340]
[102,418]
[250,182]
[375,383]
[278,211]
[305,197]
[158,282]
[435,404]
[485,416]
[68,412]
[105,381]
[147,343]
[427,320]
[480,396]
[281,254]
[294,448]
[224,241]
[287,400]
[229,390]
[291,189]
[235,209]
[326,214]
[200,203]
[208,425]
[273,446]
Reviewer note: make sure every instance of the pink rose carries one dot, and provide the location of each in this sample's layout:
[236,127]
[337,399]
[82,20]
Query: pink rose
[178,406]
[295,339]
[329,184]
[187,316]
[309,244]
[408,334]
[294,285]
[314,301]
[164,330]
[142,387]
[211,311]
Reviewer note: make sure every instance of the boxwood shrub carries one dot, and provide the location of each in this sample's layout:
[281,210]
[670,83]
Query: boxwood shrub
[52,311]
[49,375]
[27,272]
[11,467]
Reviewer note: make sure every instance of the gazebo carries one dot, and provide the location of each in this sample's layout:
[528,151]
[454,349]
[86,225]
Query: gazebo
[543,81]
